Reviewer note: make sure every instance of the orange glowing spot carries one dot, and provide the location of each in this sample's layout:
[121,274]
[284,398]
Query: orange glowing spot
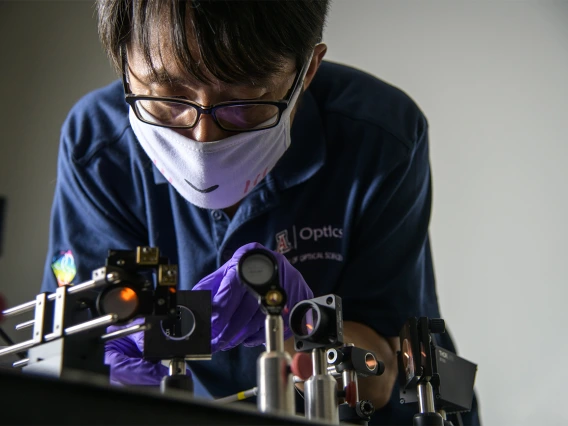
[309,326]
[371,363]
[127,294]
[172,289]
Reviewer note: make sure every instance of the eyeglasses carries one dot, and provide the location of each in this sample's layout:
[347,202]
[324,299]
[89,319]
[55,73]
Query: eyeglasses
[232,116]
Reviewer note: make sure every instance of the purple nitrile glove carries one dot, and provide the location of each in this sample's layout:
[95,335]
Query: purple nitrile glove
[236,316]
[124,356]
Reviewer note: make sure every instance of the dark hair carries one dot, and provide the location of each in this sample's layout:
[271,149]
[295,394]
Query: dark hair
[237,41]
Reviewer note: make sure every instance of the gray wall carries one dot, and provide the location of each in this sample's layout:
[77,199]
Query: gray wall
[490,76]
[50,57]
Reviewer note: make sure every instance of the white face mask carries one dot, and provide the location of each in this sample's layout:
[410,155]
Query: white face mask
[215,175]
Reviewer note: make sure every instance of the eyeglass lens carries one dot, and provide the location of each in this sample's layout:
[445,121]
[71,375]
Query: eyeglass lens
[230,117]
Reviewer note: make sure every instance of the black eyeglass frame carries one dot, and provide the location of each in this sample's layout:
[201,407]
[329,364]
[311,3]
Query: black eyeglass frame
[281,104]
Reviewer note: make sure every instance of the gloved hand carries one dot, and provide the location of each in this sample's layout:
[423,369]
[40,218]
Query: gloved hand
[127,367]
[236,316]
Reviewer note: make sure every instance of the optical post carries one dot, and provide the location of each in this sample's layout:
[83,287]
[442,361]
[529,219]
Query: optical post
[351,362]
[258,270]
[317,325]
[439,380]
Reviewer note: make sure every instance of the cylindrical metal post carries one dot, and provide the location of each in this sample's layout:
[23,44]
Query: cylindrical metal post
[24,325]
[350,386]
[177,367]
[28,306]
[275,380]
[274,333]
[426,397]
[20,309]
[17,347]
[125,332]
[97,322]
[178,379]
[320,391]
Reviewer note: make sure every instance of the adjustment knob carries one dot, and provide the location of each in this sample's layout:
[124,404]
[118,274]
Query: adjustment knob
[365,409]
[302,365]
[437,325]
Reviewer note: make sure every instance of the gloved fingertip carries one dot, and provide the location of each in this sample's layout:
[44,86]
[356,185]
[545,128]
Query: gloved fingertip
[247,247]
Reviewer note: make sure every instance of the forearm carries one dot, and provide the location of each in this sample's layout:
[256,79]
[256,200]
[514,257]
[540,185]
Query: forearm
[376,389]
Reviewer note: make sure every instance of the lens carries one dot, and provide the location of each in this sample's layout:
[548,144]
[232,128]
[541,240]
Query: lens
[166,112]
[370,362]
[247,117]
[257,269]
[407,359]
[181,326]
[309,322]
[122,301]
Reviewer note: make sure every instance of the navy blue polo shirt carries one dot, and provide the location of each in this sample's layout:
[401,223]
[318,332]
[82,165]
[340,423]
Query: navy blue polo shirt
[348,204]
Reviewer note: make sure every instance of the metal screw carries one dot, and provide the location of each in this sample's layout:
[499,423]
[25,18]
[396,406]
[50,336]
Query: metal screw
[161,302]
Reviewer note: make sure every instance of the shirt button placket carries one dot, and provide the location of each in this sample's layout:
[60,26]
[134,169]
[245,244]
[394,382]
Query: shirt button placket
[220,225]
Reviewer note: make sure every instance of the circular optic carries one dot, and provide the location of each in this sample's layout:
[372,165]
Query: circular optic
[331,356]
[305,319]
[122,301]
[407,359]
[370,361]
[181,326]
[257,269]
[309,322]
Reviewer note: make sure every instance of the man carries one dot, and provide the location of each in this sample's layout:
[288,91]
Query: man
[194,152]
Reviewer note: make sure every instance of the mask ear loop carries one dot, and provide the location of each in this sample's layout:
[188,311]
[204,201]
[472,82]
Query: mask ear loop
[300,85]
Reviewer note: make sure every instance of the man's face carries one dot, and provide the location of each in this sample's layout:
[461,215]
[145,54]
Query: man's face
[171,81]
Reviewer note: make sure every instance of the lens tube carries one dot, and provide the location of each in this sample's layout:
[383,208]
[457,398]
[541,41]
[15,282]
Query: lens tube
[258,271]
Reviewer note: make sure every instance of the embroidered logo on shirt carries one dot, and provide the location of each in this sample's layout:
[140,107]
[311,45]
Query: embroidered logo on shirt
[309,238]
[282,242]
[63,267]
[308,233]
